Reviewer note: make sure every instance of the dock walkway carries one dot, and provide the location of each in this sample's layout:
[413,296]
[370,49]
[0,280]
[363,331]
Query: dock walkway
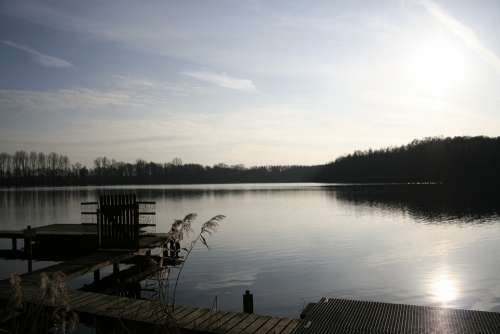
[342,316]
[145,311]
[156,313]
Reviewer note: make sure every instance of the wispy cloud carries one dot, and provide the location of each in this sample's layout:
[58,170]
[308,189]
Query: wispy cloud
[15,101]
[465,33]
[41,58]
[223,80]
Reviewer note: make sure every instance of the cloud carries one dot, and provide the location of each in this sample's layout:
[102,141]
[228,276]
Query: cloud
[462,31]
[223,80]
[15,101]
[41,58]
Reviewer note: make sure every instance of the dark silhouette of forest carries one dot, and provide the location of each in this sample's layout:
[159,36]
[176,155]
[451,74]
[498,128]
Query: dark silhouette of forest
[456,160]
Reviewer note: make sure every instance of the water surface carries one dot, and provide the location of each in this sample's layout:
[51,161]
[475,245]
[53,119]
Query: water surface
[293,243]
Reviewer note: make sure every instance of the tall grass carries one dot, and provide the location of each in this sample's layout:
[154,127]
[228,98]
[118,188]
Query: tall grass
[42,309]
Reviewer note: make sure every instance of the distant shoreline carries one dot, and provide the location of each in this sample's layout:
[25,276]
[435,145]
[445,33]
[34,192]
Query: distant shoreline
[453,161]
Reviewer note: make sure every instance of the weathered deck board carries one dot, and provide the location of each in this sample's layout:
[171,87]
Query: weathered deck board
[80,266]
[228,325]
[267,326]
[216,316]
[280,326]
[290,328]
[243,324]
[350,316]
[197,322]
[191,318]
[260,321]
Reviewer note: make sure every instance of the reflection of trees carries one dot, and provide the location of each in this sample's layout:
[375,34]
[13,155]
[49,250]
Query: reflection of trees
[428,203]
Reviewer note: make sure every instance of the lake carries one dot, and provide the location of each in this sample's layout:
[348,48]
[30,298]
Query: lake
[290,244]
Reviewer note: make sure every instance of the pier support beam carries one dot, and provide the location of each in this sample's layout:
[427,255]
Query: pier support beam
[97,275]
[14,244]
[116,268]
[28,246]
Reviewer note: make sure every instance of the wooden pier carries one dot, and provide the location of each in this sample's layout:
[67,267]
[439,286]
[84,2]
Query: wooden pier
[342,316]
[155,313]
[116,238]
[151,312]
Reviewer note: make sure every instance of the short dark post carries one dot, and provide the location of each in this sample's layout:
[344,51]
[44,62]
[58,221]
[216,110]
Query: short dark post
[97,275]
[247,302]
[28,235]
[14,244]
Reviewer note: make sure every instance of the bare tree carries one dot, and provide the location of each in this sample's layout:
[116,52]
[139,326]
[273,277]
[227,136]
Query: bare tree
[33,163]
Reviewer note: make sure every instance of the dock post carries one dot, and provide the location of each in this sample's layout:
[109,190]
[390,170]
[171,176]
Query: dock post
[28,247]
[248,302]
[97,275]
[116,268]
[14,244]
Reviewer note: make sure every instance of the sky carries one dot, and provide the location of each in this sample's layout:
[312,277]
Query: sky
[244,82]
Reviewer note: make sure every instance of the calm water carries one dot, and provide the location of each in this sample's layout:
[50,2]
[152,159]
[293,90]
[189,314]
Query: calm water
[293,243]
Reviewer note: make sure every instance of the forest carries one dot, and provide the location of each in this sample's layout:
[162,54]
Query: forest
[430,160]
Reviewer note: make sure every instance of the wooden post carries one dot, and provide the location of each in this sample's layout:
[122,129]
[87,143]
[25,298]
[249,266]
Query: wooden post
[14,244]
[247,302]
[116,268]
[97,275]
[28,237]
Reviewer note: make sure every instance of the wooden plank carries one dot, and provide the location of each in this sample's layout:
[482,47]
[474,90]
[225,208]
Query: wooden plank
[178,309]
[83,301]
[76,299]
[143,313]
[244,324]
[131,310]
[96,300]
[226,326]
[259,322]
[99,307]
[178,315]
[151,313]
[220,321]
[290,328]
[111,303]
[268,326]
[200,320]
[215,317]
[282,323]
[193,316]
[124,312]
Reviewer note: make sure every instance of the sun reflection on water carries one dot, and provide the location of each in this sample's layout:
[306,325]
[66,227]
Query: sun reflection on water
[444,288]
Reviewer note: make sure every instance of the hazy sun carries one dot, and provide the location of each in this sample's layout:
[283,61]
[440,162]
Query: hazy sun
[436,66]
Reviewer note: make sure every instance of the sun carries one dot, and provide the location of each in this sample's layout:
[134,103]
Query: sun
[436,66]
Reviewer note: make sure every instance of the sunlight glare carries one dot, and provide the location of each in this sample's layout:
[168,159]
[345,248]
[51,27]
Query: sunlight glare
[444,288]
[436,66]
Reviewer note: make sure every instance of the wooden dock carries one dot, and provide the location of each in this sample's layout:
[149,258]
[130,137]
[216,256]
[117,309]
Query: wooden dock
[342,316]
[90,301]
[74,230]
[139,310]
[155,313]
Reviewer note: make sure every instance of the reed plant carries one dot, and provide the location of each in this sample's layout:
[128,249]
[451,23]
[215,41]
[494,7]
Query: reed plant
[39,309]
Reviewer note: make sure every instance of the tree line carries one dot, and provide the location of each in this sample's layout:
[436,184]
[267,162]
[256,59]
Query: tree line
[41,169]
[435,159]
